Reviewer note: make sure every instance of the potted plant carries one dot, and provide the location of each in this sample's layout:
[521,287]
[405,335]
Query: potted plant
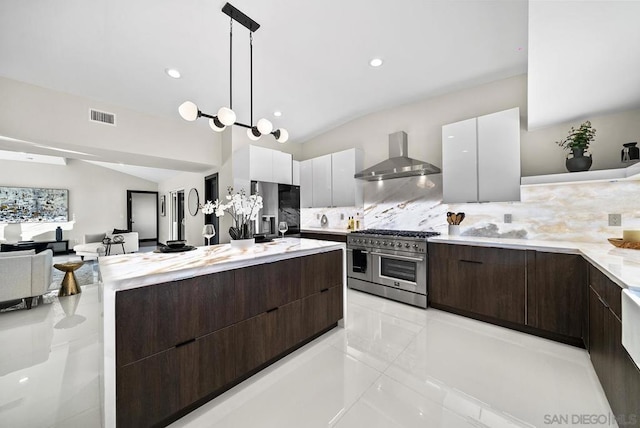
[578,142]
[244,210]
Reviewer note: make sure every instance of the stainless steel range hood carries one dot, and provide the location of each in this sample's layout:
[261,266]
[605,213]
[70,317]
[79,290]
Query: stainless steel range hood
[399,164]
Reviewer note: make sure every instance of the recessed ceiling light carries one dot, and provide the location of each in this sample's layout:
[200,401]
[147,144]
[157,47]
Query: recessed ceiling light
[172,72]
[277,113]
[376,62]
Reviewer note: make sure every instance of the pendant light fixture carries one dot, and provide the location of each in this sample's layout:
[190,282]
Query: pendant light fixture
[226,116]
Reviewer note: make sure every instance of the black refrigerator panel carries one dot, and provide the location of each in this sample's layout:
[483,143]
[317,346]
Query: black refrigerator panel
[289,207]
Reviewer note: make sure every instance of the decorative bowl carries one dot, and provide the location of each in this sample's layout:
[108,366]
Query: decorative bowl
[621,243]
[176,244]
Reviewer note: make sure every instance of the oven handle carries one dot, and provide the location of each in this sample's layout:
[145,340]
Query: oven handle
[393,256]
[362,251]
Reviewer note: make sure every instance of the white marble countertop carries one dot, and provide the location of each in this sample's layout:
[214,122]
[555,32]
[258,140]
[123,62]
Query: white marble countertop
[621,265]
[122,272]
[327,230]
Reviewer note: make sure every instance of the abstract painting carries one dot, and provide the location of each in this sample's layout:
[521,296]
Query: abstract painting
[33,205]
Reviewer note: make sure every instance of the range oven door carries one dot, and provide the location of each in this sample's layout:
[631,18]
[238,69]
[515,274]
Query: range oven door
[359,264]
[406,272]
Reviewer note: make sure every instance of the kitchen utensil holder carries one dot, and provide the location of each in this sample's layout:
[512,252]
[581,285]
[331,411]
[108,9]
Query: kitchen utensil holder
[454,229]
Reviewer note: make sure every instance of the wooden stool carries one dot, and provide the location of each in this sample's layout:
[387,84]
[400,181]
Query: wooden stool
[69,285]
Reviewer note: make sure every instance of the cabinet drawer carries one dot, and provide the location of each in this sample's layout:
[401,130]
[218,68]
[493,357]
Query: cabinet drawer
[153,319]
[154,388]
[608,290]
[321,310]
[478,255]
[321,271]
[263,287]
[265,336]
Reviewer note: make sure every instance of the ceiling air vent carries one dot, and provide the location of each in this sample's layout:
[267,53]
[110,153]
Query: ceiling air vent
[102,117]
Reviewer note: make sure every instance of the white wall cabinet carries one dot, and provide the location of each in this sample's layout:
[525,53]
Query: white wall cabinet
[321,189]
[327,181]
[481,158]
[295,173]
[257,163]
[306,184]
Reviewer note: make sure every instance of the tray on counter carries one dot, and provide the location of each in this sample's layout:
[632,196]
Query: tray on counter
[174,250]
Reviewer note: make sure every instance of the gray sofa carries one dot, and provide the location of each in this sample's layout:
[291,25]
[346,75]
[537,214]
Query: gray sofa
[25,275]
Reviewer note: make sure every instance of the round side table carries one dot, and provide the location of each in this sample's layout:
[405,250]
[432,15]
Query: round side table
[69,285]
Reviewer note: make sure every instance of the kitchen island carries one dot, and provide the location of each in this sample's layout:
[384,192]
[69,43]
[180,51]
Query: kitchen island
[181,328]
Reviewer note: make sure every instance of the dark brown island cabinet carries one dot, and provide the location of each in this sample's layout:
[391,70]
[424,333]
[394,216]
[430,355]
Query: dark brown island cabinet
[181,343]
[557,296]
[324,236]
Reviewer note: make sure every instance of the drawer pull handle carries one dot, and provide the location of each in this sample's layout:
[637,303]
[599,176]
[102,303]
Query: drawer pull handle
[471,261]
[606,305]
[272,309]
[186,342]
[324,290]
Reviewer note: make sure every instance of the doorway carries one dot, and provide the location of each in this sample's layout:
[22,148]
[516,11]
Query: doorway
[211,194]
[142,215]
[177,215]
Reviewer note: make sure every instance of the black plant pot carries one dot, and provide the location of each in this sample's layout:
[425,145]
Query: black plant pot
[579,162]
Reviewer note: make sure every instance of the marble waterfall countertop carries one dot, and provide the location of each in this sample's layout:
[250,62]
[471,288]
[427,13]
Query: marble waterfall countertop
[621,265]
[122,272]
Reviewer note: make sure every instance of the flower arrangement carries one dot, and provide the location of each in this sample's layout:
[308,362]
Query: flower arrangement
[207,208]
[242,208]
[578,138]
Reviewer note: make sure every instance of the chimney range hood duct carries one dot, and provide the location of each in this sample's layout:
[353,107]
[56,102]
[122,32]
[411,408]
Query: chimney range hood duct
[399,164]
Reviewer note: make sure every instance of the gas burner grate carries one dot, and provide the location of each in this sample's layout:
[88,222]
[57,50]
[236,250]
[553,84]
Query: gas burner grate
[401,233]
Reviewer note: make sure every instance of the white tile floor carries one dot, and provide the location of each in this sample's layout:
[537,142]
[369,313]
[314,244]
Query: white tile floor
[392,366]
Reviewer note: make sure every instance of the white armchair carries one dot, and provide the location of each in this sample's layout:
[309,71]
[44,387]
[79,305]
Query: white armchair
[24,275]
[93,246]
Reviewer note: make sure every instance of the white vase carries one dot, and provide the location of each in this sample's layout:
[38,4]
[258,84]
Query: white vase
[242,244]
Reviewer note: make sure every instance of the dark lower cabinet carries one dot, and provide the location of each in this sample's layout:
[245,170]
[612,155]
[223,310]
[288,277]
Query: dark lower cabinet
[181,343]
[264,337]
[156,387]
[618,374]
[488,282]
[321,310]
[324,236]
[556,294]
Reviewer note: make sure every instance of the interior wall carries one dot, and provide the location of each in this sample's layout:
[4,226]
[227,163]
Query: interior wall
[423,123]
[62,119]
[97,195]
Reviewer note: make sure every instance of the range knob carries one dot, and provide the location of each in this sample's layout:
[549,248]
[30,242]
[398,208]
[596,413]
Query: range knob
[415,245]
[385,243]
[406,245]
[399,244]
[377,242]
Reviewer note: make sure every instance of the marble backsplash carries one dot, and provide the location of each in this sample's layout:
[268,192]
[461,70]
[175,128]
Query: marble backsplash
[574,212]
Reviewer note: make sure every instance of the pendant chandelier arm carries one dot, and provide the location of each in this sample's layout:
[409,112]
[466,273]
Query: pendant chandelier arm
[231,63]
[251,71]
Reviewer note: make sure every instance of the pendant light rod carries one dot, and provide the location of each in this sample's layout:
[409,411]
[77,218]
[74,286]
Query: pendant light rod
[226,116]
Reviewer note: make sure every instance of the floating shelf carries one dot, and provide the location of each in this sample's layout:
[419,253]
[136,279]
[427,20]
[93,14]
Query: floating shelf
[629,173]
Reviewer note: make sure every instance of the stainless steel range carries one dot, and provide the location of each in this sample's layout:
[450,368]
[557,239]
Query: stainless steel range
[389,263]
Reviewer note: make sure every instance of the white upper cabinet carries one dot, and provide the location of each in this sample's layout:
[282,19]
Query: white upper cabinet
[257,163]
[295,173]
[321,189]
[346,191]
[459,162]
[499,156]
[281,167]
[327,181]
[306,184]
[481,159]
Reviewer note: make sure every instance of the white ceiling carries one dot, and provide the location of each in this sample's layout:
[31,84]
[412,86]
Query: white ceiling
[311,58]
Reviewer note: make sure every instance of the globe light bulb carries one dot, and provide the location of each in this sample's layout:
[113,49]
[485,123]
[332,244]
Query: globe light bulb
[226,116]
[253,134]
[188,111]
[264,126]
[216,125]
[282,135]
